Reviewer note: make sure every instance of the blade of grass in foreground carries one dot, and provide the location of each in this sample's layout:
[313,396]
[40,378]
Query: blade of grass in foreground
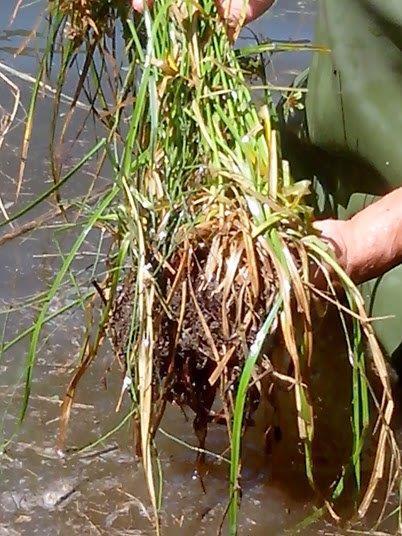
[31,357]
[56,22]
[106,435]
[279,46]
[241,395]
[49,318]
[57,186]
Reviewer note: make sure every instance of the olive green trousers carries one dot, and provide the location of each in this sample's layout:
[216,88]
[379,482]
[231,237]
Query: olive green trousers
[354,118]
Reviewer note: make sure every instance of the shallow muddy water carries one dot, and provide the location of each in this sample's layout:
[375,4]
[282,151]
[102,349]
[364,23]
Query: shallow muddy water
[102,491]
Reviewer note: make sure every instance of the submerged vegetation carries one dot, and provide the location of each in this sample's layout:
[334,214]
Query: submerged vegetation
[209,300]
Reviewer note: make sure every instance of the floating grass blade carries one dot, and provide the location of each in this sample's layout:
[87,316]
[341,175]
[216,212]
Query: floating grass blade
[38,325]
[57,186]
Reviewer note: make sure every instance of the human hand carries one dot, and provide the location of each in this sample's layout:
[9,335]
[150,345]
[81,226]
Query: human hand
[337,234]
[370,243]
[233,10]
[230,10]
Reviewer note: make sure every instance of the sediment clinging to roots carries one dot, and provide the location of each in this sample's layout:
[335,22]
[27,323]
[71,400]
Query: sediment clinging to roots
[216,293]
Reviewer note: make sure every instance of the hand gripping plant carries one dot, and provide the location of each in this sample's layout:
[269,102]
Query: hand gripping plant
[219,244]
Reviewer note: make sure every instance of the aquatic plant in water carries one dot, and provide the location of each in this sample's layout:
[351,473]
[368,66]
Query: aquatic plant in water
[210,272]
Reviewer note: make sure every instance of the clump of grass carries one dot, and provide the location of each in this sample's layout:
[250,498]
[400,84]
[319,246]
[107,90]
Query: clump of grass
[213,248]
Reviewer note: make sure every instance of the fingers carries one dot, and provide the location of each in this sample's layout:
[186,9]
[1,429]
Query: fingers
[138,5]
[234,11]
[242,11]
[334,233]
[256,8]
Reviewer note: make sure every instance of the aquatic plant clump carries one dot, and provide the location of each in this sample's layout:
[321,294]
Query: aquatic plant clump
[214,248]
[221,244]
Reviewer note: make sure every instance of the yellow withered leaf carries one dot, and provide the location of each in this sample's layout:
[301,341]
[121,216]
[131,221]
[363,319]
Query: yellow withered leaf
[295,192]
[168,66]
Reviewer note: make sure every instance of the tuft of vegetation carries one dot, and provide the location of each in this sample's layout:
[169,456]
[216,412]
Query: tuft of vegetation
[209,288]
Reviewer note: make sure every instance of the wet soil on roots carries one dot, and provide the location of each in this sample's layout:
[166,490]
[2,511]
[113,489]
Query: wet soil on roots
[198,328]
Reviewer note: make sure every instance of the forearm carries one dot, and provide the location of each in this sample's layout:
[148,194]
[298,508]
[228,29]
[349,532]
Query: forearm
[376,233]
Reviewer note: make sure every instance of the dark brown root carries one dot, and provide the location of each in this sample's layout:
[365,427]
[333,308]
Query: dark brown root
[208,318]
[88,16]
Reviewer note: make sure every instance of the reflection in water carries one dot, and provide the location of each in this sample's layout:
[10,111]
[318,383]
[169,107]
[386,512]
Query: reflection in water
[102,491]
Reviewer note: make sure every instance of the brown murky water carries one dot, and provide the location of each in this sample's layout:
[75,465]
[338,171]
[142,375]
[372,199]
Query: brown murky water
[102,491]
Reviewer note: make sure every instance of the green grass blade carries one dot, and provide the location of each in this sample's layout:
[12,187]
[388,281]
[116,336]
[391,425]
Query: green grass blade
[48,318]
[241,395]
[51,190]
[38,325]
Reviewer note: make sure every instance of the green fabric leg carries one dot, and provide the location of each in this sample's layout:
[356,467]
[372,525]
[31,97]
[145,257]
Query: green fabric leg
[354,114]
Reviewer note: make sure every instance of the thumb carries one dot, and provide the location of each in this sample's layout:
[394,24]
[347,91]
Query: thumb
[337,234]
